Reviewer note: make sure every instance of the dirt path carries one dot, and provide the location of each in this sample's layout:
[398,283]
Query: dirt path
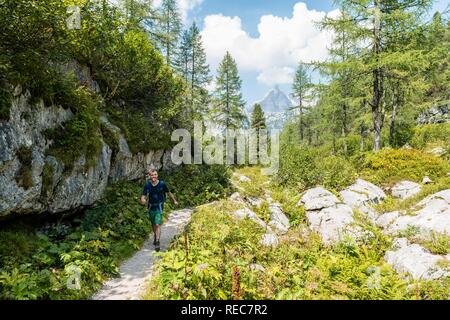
[136,271]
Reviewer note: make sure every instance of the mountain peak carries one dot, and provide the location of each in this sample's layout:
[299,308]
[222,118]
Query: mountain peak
[275,101]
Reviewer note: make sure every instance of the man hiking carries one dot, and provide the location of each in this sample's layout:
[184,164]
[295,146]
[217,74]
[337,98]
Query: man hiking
[156,191]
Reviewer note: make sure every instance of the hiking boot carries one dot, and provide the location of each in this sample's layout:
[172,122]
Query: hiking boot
[154,242]
[157,246]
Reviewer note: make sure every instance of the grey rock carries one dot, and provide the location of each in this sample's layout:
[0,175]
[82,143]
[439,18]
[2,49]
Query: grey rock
[417,262]
[278,219]
[387,219]
[399,243]
[432,214]
[247,213]
[426,180]
[405,189]
[243,178]
[317,199]
[331,223]
[258,267]
[361,195]
[269,240]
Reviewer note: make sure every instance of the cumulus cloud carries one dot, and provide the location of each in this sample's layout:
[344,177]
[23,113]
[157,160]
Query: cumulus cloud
[275,53]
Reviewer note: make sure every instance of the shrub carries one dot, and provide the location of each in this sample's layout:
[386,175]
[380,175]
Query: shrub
[195,184]
[430,133]
[390,166]
[305,168]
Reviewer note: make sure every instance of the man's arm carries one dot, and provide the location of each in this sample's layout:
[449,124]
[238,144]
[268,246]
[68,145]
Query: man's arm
[173,198]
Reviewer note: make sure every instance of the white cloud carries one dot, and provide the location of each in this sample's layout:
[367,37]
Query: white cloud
[275,53]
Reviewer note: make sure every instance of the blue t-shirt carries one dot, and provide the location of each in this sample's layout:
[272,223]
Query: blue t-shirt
[156,194]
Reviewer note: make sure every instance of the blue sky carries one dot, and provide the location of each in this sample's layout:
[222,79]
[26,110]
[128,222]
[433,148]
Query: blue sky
[266,37]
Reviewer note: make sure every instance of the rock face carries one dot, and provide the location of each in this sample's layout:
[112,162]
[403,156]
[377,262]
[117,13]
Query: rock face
[361,194]
[432,214]
[436,114]
[405,189]
[415,261]
[68,189]
[247,213]
[278,220]
[327,215]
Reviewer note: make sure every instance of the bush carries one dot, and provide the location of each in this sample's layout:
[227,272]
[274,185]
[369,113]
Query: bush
[194,184]
[306,168]
[390,166]
[335,172]
[430,133]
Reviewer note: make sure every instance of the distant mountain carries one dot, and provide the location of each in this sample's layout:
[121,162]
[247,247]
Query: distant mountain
[276,105]
[275,101]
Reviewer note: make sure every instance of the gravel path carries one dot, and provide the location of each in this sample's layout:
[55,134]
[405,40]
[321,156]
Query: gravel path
[136,271]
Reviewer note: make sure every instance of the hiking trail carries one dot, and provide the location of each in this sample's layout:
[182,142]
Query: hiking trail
[137,270]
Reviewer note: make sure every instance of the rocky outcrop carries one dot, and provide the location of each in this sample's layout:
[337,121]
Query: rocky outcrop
[405,189]
[361,195]
[278,220]
[415,261]
[436,114]
[51,186]
[432,214]
[328,216]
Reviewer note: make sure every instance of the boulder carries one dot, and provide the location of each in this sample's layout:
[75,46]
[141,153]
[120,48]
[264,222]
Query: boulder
[331,223]
[278,219]
[361,195]
[405,189]
[243,178]
[432,214]
[416,262]
[426,180]
[386,219]
[317,199]
[247,213]
[269,240]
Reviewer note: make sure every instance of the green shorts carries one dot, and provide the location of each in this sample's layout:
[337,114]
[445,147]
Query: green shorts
[156,216]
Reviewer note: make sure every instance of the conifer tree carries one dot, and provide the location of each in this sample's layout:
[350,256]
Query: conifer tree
[228,104]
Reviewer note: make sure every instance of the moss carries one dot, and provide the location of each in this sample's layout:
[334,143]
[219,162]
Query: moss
[24,177]
[5,104]
[47,179]
[112,139]
[79,136]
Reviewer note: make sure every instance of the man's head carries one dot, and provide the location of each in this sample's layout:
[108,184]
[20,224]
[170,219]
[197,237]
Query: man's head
[153,175]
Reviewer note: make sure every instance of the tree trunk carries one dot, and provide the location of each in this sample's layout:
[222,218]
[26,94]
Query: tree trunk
[395,101]
[377,82]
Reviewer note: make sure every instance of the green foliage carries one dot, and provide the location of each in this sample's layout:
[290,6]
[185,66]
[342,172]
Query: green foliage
[438,243]
[228,105]
[39,265]
[306,167]
[24,177]
[258,117]
[390,165]
[80,136]
[194,184]
[47,179]
[199,264]
[431,133]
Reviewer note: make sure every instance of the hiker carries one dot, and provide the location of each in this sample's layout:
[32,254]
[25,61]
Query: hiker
[156,191]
